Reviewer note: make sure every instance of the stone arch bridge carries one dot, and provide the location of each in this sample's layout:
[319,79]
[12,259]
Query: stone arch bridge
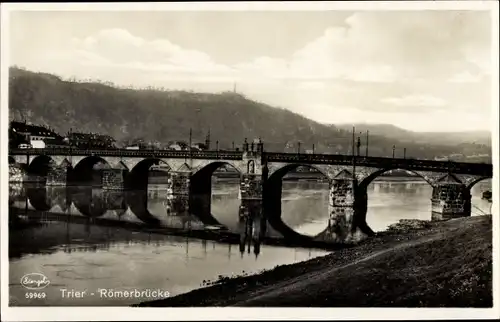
[189,181]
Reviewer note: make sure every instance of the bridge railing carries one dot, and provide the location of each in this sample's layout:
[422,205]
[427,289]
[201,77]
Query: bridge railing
[416,164]
[227,155]
[381,162]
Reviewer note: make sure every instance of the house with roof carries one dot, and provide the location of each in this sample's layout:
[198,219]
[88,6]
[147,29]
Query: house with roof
[199,147]
[178,146]
[36,136]
[90,140]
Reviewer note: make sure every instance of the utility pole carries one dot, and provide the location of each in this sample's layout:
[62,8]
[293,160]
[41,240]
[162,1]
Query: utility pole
[404,153]
[207,140]
[313,148]
[190,148]
[366,152]
[353,155]
[190,138]
[298,148]
[393,149]
[358,145]
[233,145]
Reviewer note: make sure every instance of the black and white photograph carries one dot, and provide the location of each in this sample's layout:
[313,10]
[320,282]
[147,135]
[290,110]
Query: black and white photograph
[277,159]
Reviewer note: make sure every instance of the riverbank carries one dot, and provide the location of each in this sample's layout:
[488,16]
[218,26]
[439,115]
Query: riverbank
[435,264]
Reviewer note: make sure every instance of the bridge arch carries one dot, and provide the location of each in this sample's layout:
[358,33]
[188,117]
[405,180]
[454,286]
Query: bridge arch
[210,168]
[481,204]
[476,181]
[137,202]
[89,201]
[374,175]
[38,198]
[272,200]
[83,170]
[40,165]
[367,216]
[138,176]
[201,199]
[285,169]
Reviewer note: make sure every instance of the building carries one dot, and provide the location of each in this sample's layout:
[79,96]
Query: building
[199,147]
[90,140]
[36,136]
[178,146]
[17,140]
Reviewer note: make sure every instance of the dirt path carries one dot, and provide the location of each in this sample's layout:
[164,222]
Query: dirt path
[287,287]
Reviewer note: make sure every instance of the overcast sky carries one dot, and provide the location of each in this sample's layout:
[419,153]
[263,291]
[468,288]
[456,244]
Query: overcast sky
[420,70]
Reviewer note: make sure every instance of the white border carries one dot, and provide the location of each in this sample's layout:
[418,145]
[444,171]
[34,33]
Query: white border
[138,314]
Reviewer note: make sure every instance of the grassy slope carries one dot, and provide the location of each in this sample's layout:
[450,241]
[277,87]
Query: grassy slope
[447,265]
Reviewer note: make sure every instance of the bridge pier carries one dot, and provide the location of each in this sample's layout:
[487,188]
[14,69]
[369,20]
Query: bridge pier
[178,189]
[57,175]
[450,199]
[345,207]
[17,173]
[200,196]
[252,224]
[113,178]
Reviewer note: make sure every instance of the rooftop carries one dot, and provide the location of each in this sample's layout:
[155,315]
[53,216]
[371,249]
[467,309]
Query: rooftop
[90,136]
[36,130]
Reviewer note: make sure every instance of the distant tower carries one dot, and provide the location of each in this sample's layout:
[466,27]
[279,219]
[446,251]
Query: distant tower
[207,140]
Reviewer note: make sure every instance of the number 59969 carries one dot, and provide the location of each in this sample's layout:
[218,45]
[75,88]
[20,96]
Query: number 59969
[35,295]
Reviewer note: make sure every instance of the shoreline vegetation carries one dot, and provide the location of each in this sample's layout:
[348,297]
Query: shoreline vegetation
[413,264]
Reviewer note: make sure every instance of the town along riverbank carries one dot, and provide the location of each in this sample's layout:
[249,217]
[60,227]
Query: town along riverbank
[414,264]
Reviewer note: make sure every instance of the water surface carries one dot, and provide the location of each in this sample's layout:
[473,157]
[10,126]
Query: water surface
[75,253]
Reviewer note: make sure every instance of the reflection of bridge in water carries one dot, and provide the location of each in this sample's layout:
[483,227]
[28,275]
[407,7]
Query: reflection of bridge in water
[34,206]
[131,206]
[34,232]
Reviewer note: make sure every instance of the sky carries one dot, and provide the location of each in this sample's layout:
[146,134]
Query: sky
[419,70]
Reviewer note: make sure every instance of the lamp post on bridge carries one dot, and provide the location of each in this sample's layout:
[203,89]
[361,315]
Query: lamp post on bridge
[298,147]
[353,154]
[358,145]
[190,146]
[70,145]
[393,149]
[313,149]
[404,153]
[366,152]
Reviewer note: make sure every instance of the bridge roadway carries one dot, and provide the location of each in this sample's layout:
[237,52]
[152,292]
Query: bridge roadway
[480,169]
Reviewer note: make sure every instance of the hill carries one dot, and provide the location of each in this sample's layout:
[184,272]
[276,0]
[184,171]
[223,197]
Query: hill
[445,138]
[159,115]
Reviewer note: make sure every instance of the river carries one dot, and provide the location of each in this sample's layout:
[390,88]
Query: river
[79,254]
